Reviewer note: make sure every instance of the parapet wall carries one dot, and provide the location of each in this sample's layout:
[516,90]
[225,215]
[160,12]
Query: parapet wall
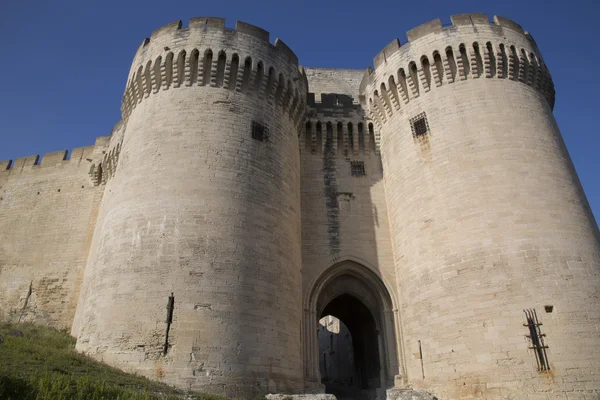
[436,55]
[60,158]
[342,84]
[208,54]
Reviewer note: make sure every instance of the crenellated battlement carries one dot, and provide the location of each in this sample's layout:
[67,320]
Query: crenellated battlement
[60,158]
[211,25]
[207,54]
[436,55]
[475,22]
[426,203]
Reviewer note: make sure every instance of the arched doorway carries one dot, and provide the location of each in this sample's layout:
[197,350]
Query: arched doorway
[351,346]
[351,366]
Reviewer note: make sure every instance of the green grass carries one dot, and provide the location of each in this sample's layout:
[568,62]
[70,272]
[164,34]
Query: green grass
[43,364]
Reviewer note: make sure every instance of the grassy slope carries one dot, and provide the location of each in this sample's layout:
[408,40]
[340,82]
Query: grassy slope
[43,364]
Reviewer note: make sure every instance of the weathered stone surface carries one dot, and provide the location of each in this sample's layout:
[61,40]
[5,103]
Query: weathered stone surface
[321,396]
[408,394]
[435,189]
[487,217]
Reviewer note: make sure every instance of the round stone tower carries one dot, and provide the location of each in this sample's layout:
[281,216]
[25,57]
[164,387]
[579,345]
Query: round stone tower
[496,251]
[204,206]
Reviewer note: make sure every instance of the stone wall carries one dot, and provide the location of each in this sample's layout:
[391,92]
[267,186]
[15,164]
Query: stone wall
[48,210]
[487,214]
[442,198]
[348,217]
[342,192]
[206,206]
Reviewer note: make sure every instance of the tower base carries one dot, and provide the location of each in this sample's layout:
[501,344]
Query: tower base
[408,394]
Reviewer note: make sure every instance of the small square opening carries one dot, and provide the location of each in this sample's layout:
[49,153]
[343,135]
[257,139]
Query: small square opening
[259,131]
[419,125]
[357,168]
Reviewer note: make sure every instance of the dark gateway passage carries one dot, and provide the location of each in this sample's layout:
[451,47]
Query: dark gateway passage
[348,349]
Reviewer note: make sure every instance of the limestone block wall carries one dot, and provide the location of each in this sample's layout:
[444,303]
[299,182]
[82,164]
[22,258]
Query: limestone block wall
[345,215]
[48,209]
[348,214]
[326,82]
[204,204]
[487,215]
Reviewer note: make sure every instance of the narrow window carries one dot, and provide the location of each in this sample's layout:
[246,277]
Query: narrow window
[402,81]
[233,72]
[357,168]
[194,66]
[259,131]
[513,68]
[288,94]
[319,139]
[361,137]
[340,137]
[157,77]
[148,78]
[412,69]
[246,74]
[181,67]
[384,95]
[504,61]
[280,87]
[206,67]
[221,69]
[378,105]
[439,66]
[169,69]
[426,70]
[139,82]
[99,175]
[394,89]
[329,137]
[464,57]
[270,82]
[260,71]
[372,137]
[526,70]
[295,98]
[478,59]
[419,125]
[308,136]
[350,137]
[492,56]
[534,65]
[451,62]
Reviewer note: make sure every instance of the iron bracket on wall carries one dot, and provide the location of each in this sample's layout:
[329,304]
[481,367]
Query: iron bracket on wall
[537,339]
[169,321]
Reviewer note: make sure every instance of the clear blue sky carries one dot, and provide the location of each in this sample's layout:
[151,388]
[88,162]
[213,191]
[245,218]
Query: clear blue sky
[64,65]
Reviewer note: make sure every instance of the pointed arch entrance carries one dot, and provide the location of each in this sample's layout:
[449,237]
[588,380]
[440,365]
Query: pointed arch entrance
[357,297]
